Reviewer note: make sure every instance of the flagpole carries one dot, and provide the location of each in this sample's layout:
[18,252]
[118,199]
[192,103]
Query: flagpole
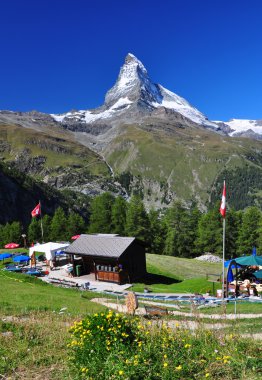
[223,213]
[41,222]
[223,260]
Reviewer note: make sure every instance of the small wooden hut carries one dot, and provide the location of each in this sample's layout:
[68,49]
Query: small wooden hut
[110,257]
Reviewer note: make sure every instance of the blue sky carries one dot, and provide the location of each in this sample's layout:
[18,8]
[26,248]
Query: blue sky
[58,55]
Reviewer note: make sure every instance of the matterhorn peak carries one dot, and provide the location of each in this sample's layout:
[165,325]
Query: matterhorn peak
[131,59]
[132,83]
[134,91]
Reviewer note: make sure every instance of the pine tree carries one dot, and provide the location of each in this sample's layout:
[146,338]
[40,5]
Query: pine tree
[170,247]
[192,227]
[249,231]
[179,228]
[3,239]
[157,232]
[34,232]
[259,240]
[75,225]
[233,223]
[119,209]
[137,223]
[58,226]
[101,214]
[12,232]
[210,233]
[46,222]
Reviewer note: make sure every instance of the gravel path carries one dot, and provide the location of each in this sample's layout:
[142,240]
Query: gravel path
[192,325]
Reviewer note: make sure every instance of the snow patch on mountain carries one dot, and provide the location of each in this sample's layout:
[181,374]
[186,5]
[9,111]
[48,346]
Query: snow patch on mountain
[175,102]
[243,125]
[89,116]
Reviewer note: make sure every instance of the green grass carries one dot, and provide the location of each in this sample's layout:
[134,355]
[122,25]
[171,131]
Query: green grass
[181,268]
[188,158]
[23,294]
[60,150]
[194,285]
[33,330]
[34,346]
[169,274]
[34,333]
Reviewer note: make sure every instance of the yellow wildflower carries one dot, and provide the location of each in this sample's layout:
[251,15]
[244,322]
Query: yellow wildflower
[178,368]
[121,372]
[187,345]
[165,364]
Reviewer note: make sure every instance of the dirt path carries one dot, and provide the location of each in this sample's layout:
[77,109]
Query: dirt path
[141,311]
[192,325]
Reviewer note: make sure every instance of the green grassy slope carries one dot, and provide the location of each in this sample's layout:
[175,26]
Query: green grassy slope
[179,268]
[177,275]
[189,160]
[20,293]
[58,147]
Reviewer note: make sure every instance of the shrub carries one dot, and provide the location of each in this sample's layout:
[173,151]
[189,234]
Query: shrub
[109,346]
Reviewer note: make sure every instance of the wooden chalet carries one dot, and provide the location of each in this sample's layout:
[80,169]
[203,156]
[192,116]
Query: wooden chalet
[110,257]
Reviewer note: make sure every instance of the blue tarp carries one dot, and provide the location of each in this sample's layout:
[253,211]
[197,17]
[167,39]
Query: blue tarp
[5,255]
[21,258]
[230,276]
[258,274]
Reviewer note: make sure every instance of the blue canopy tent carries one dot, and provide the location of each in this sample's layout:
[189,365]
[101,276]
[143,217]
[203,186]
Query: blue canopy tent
[21,258]
[246,261]
[60,252]
[5,255]
[232,264]
[249,260]
[227,263]
[258,274]
[230,275]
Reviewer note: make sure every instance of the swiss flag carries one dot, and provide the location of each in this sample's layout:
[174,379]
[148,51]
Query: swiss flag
[36,211]
[223,202]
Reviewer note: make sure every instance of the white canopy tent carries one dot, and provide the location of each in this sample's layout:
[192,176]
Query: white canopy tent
[49,249]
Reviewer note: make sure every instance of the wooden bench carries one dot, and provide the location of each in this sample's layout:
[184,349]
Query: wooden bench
[155,311]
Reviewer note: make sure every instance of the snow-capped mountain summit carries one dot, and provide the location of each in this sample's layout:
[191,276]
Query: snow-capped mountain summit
[134,83]
[240,127]
[135,96]
[135,91]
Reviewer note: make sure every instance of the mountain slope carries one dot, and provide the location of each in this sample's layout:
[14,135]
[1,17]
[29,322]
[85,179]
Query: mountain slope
[53,156]
[144,138]
[185,163]
[20,194]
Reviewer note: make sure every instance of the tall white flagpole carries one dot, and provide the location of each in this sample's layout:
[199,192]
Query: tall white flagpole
[223,260]
[223,213]
[41,222]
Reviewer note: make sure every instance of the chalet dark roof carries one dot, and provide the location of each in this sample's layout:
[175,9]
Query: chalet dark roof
[100,245]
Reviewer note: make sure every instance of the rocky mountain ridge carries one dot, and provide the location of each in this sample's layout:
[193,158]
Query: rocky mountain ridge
[144,138]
